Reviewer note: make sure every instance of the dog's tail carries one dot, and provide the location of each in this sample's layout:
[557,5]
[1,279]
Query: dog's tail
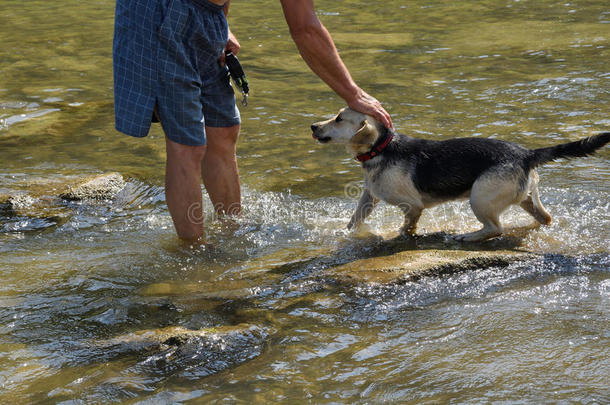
[584,147]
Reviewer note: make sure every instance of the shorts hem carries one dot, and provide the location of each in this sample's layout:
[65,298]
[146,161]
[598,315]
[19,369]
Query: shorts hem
[133,134]
[223,124]
[187,142]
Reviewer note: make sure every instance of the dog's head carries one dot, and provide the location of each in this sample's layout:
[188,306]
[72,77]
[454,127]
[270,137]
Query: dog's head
[357,130]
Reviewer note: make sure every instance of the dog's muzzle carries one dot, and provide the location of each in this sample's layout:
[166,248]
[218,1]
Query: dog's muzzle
[315,128]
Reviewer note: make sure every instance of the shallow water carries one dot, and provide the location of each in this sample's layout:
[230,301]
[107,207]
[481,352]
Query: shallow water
[81,280]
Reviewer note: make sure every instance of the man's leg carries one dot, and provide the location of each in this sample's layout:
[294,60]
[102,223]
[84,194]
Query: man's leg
[183,189]
[219,169]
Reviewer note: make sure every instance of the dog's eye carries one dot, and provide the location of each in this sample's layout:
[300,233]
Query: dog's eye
[338,119]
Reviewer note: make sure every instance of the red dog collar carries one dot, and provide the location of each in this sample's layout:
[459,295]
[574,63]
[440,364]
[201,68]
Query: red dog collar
[376,149]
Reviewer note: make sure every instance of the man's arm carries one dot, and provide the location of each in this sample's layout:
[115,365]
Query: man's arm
[318,50]
[232,44]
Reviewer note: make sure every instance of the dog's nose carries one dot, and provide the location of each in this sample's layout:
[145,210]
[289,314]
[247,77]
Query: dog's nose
[314,127]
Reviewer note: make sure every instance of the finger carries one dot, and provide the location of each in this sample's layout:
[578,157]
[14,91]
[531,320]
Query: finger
[384,118]
[368,104]
[388,120]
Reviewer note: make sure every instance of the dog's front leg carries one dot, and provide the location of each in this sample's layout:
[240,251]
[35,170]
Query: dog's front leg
[365,207]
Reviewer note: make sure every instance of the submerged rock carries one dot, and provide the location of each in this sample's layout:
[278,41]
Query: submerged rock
[13,204]
[385,259]
[151,339]
[21,212]
[38,203]
[43,191]
[190,353]
[412,264]
[102,187]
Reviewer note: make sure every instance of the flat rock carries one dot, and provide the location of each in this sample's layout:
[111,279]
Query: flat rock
[232,289]
[102,187]
[188,353]
[150,339]
[11,204]
[20,212]
[395,260]
[39,203]
[412,264]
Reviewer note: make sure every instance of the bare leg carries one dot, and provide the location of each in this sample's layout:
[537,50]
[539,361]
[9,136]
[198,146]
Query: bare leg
[219,169]
[365,207]
[183,189]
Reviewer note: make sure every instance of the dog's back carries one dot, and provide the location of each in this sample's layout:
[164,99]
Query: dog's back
[448,169]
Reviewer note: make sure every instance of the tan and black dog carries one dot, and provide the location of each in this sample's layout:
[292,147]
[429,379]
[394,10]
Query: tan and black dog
[415,174]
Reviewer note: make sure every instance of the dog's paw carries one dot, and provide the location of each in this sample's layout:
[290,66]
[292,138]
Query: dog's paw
[407,232]
[466,237]
[361,230]
[352,224]
[478,236]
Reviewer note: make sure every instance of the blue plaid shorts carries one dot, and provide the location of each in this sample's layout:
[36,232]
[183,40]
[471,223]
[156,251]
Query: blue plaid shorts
[165,53]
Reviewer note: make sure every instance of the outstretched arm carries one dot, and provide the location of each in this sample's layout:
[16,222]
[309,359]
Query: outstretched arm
[318,50]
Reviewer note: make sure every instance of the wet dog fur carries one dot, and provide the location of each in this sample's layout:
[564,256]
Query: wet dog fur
[415,174]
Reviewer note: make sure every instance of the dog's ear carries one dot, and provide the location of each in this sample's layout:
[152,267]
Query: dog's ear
[366,135]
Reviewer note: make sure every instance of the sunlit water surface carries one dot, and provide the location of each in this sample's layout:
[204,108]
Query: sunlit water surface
[77,281]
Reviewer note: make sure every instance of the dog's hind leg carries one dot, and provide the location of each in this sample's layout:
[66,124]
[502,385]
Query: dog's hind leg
[491,194]
[532,203]
[412,214]
[365,207]
[491,228]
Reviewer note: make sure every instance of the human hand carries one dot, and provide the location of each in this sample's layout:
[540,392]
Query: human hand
[369,105]
[232,45]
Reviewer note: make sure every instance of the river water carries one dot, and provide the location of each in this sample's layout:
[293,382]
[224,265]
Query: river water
[81,284]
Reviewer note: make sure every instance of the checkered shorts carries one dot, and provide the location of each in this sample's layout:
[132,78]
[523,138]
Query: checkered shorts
[166,54]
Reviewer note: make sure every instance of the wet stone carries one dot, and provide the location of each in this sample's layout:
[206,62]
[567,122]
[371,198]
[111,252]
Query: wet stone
[21,212]
[190,353]
[37,204]
[20,201]
[101,187]
[412,264]
[10,205]
[396,260]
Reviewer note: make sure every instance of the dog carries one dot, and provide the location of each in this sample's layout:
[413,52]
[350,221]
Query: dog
[415,174]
